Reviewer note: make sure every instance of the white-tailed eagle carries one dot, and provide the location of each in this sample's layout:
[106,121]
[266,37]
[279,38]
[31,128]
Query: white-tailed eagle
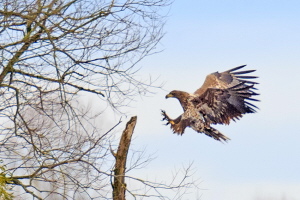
[222,97]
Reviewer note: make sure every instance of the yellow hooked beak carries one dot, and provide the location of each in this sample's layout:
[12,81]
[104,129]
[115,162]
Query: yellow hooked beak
[169,95]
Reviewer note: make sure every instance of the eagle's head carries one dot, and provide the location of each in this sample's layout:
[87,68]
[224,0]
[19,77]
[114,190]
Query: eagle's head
[181,96]
[177,94]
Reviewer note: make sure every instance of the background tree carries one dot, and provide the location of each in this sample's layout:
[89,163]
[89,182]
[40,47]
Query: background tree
[53,53]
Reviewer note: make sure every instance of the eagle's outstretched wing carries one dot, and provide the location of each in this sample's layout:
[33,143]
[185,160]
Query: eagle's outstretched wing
[225,96]
[227,79]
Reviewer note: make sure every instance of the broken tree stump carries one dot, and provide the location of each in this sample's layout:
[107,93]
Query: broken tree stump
[119,185]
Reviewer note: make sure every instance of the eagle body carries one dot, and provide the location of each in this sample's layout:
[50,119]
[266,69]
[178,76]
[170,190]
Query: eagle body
[222,97]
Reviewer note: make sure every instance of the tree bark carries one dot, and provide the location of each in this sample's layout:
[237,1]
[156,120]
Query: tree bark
[119,185]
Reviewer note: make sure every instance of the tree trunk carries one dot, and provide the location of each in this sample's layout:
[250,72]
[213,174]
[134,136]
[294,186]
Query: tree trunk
[119,185]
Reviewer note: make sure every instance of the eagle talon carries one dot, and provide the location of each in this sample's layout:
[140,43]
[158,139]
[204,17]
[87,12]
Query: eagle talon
[164,114]
[167,118]
[223,97]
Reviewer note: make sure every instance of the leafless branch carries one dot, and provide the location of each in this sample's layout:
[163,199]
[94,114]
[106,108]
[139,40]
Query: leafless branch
[53,54]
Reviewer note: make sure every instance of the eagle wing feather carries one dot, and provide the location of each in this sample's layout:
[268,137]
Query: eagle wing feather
[224,96]
[226,79]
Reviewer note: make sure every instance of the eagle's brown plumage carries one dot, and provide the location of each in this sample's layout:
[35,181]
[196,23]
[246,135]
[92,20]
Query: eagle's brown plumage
[222,97]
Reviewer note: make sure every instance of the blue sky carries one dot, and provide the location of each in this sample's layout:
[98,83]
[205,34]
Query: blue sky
[262,160]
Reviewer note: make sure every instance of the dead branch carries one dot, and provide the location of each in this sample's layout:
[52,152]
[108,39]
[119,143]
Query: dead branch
[119,185]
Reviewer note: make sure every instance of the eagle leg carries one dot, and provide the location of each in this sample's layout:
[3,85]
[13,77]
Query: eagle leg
[167,118]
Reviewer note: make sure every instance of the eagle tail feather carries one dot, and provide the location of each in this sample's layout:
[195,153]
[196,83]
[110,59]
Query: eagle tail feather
[214,133]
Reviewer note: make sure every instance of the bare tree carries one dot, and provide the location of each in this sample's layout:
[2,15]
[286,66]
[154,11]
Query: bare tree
[52,54]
